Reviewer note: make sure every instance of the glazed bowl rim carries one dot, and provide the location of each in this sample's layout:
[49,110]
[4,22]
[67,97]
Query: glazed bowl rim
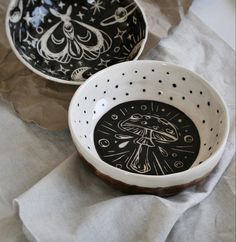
[55,79]
[176,178]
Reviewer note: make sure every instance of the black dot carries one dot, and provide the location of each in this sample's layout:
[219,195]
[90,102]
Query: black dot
[217,135]
[85,136]
[167,73]
[200,162]
[123,74]
[217,143]
[88,147]
[209,148]
[208,103]
[85,98]
[183,78]
[104,92]
[136,71]
[160,81]
[191,91]
[201,92]
[130,83]
[103,104]
[84,111]
[87,122]
[127,94]
[144,90]
[94,112]
[183,98]
[159,93]
[108,80]
[79,121]
[116,86]
[174,85]
[94,99]
[217,111]
[114,98]
[153,70]
[203,121]
[171,98]
[198,106]
[211,129]
[205,144]
[144,77]
[221,122]
[96,85]
[78,104]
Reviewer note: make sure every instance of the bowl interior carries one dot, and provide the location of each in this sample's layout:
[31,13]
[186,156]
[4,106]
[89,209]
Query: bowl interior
[170,116]
[68,41]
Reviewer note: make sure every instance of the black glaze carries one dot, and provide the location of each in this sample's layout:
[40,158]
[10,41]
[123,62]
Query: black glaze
[76,27]
[147,137]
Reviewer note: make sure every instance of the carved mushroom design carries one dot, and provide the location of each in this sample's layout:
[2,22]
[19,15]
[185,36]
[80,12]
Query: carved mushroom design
[150,129]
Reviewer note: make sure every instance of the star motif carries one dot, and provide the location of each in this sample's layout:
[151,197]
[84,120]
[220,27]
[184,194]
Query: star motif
[30,40]
[63,70]
[50,71]
[80,15]
[103,62]
[97,7]
[120,34]
[92,20]
[27,18]
[61,4]
[46,61]
[130,36]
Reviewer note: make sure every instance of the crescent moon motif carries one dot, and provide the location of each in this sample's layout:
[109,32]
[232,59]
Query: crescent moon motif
[57,41]
[101,43]
[43,50]
[77,74]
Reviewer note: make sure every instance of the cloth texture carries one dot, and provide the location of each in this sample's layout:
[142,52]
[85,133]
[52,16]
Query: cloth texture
[60,200]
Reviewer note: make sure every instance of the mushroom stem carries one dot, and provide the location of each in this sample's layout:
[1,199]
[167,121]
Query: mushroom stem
[139,160]
[139,163]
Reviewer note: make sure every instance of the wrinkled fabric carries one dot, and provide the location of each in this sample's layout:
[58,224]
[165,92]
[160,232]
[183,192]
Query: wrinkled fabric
[71,204]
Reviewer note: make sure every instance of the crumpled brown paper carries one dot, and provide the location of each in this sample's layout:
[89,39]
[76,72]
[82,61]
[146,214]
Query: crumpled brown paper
[44,102]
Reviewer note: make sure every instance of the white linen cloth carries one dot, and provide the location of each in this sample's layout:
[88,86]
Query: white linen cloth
[71,204]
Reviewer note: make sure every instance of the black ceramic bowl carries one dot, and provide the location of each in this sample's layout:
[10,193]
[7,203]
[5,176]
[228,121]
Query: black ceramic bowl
[68,41]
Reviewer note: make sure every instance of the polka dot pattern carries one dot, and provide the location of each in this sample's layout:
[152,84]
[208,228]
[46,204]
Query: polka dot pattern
[153,84]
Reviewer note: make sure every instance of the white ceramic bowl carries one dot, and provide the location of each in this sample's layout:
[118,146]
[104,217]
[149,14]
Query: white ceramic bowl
[171,139]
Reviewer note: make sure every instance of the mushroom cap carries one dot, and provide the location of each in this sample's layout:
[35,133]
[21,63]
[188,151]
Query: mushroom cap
[154,127]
